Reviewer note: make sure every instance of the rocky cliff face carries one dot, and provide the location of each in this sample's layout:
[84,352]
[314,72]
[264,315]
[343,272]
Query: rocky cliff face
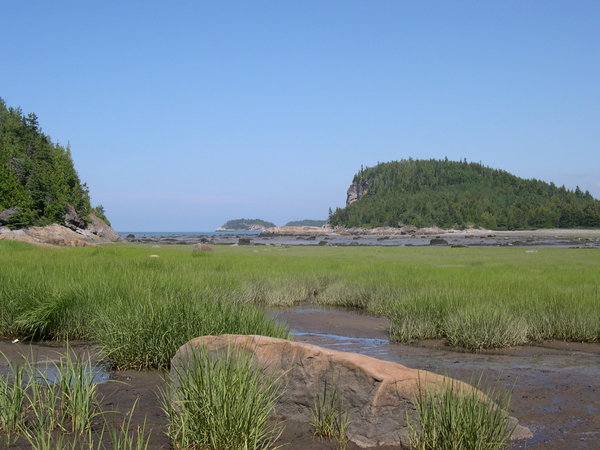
[356,191]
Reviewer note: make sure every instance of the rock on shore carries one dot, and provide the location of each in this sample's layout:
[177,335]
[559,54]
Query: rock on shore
[379,396]
[94,232]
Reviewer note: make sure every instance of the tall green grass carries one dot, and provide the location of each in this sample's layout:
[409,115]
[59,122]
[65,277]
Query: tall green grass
[329,419]
[141,309]
[222,401]
[452,419]
[54,409]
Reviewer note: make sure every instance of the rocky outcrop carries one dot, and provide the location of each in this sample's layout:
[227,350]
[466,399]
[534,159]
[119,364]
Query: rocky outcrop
[357,190]
[7,214]
[72,219]
[102,230]
[95,232]
[379,396]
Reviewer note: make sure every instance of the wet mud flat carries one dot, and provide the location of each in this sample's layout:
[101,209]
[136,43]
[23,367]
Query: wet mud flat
[120,390]
[541,238]
[555,385]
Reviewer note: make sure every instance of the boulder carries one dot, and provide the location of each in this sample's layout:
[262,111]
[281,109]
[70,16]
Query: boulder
[202,248]
[7,214]
[100,228]
[438,241]
[379,396]
[244,241]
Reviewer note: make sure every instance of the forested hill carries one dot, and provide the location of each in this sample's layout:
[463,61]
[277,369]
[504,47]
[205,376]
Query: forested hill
[38,183]
[453,194]
[245,225]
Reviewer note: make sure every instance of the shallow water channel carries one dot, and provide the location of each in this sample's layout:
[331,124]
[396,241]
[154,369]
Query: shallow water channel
[555,385]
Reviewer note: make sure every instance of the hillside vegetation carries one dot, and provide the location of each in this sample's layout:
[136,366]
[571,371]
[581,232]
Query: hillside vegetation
[246,225]
[455,194]
[37,177]
[306,223]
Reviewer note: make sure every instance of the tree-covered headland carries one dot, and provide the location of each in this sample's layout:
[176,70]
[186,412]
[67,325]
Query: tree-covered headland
[458,194]
[246,224]
[38,181]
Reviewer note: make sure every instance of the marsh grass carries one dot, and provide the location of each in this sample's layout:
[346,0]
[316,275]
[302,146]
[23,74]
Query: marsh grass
[452,419]
[78,392]
[125,437]
[57,412]
[482,327]
[147,334]
[329,419]
[13,389]
[222,401]
[141,309]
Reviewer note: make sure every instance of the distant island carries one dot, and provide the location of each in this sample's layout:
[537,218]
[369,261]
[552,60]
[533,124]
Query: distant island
[245,225]
[306,223]
[459,194]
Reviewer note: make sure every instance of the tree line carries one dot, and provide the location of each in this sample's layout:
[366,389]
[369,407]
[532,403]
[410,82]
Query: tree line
[37,177]
[458,194]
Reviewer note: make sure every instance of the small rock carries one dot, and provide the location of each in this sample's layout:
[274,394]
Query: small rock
[438,241]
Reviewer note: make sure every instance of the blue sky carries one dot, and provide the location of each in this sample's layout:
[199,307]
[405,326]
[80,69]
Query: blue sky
[184,114]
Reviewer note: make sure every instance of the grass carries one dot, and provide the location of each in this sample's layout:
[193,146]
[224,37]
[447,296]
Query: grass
[221,402]
[451,419]
[141,309]
[56,412]
[329,418]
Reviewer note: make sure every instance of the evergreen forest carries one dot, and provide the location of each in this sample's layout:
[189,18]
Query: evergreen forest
[459,194]
[37,177]
[246,224]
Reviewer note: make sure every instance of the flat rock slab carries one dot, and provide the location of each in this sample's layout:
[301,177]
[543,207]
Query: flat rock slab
[378,395]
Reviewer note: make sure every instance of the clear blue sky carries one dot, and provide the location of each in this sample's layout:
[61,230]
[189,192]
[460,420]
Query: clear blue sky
[182,115]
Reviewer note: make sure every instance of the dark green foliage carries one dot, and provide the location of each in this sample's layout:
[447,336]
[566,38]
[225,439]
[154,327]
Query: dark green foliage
[246,224]
[36,175]
[458,194]
[306,223]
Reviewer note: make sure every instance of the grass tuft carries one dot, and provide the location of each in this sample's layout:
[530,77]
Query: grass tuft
[451,419]
[222,402]
[329,418]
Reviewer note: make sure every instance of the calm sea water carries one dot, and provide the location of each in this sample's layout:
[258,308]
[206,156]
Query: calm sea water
[186,233]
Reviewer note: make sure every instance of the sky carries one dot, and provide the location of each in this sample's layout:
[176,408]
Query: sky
[182,115]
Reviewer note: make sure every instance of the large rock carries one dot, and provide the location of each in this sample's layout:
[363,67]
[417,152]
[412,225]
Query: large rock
[72,218]
[9,213]
[96,231]
[378,395]
[100,228]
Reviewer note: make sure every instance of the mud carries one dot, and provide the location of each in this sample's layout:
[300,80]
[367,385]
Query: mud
[555,385]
